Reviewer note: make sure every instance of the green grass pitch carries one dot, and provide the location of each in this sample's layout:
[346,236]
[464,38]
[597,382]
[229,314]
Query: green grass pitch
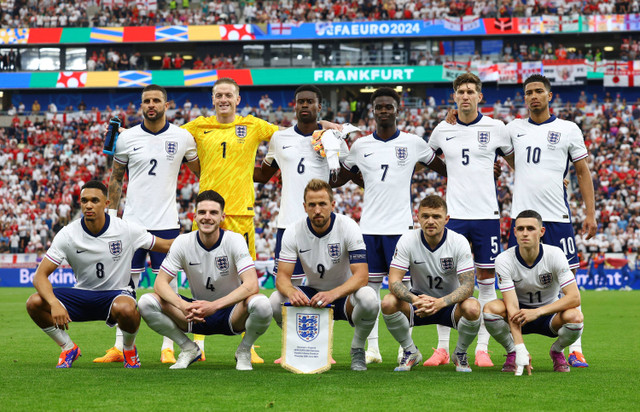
[30,381]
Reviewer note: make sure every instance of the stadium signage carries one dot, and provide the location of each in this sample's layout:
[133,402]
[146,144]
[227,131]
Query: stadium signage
[360,75]
[368,29]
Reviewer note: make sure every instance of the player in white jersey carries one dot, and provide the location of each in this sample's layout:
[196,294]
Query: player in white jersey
[470,148]
[387,160]
[99,249]
[333,255]
[223,282]
[530,277]
[543,147]
[151,154]
[291,152]
[442,280]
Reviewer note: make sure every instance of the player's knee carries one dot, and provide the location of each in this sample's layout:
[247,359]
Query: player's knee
[124,308]
[367,299]
[489,318]
[276,300]
[470,309]
[260,306]
[389,304]
[572,316]
[34,303]
[148,304]
[495,307]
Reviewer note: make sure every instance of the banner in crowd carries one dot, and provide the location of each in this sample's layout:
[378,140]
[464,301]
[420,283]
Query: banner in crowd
[307,339]
[622,74]
[449,26]
[565,72]
[514,73]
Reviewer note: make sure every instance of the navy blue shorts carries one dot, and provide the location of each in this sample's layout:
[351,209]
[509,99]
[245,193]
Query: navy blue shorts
[556,234]
[139,257]
[339,305]
[540,326]
[217,324]
[484,236]
[298,272]
[445,316]
[380,250]
[87,305]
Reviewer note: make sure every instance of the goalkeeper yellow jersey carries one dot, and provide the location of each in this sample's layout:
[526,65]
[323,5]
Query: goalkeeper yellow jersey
[227,153]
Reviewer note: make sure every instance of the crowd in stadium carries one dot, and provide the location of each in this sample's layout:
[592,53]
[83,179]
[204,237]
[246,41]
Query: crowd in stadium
[83,13]
[44,161]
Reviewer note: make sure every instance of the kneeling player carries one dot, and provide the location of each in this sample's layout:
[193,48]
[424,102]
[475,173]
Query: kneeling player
[441,268]
[332,253]
[223,282]
[530,276]
[99,249]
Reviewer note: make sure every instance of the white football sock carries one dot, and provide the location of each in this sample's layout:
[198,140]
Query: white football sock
[257,323]
[567,334]
[59,336]
[365,314]
[398,326]
[500,331]
[467,332]
[444,335]
[372,339]
[128,340]
[486,293]
[577,345]
[119,340]
[152,314]
[276,300]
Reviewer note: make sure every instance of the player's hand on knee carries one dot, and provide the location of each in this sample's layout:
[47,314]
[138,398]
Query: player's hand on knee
[523,360]
[60,316]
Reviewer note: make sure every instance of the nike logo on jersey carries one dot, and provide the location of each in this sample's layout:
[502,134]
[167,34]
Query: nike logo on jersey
[449,138]
[207,131]
[303,251]
[367,154]
[415,262]
[520,135]
[80,251]
[137,148]
[285,147]
[193,264]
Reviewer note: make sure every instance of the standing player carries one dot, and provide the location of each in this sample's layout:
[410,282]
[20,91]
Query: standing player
[151,153]
[332,253]
[442,280]
[470,148]
[223,282]
[543,146]
[291,152]
[99,249]
[387,159]
[530,277]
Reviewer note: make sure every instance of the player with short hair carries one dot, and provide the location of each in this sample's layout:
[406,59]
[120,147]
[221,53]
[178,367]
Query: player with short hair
[223,282]
[442,280]
[470,149]
[99,249]
[543,147]
[530,277]
[387,160]
[333,255]
[151,153]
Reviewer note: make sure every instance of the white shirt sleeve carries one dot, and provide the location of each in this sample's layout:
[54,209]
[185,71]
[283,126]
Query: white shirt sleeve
[402,256]
[271,153]
[426,154]
[173,261]
[57,252]
[240,254]
[288,252]
[120,155]
[351,160]
[503,271]
[577,148]
[191,153]
[465,258]
[140,238]
[562,270]
[505,140]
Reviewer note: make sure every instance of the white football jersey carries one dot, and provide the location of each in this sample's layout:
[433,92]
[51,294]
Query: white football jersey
[541,154]
[212,273]
[326,259]
[469,152]
[292,152]
[153,161]
[539,284]
[103,261]
[387,168]
[434,272]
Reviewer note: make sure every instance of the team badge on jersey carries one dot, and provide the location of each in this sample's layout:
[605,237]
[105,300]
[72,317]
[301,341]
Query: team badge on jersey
[241,131]
[553,137]
[115,247]
[334,251]
[222,263]
[446,263]
[546,279]
[307,326]
[402,153]
[171,147]
[484,137]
